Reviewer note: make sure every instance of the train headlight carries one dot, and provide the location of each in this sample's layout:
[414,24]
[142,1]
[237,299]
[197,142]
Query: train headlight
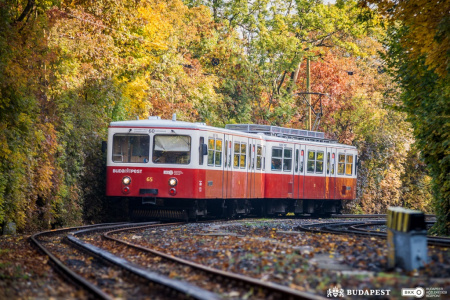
[126,180]
[173,181]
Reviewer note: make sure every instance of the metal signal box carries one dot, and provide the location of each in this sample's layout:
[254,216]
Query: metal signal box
[406,238]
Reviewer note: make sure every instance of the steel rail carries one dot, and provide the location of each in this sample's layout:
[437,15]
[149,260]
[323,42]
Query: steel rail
[60,267]
[355,229]
[175,285]
[431,240]
[284,292]
[367,216]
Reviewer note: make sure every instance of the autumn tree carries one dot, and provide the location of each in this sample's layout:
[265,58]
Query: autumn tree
[276,36]
[66,72]
[29,171]
[418,57]
[358,110]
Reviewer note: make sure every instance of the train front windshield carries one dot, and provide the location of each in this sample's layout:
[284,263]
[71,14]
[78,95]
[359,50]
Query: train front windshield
[130,148]
[171,149]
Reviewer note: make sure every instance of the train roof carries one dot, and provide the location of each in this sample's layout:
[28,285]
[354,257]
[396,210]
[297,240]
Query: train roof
[267,131]
[153,122]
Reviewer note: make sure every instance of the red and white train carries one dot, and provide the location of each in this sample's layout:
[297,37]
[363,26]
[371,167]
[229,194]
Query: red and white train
[241,169]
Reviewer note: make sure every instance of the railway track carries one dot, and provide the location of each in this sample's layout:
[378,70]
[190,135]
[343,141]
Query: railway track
[243,286]
[361,228]
[48,242]
[130,270]
[102,275]
[78,253]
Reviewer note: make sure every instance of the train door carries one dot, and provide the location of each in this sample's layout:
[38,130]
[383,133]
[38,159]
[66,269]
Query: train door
[330,173]
[214,176]
[314,176]
[333,171]
[296,171]
[239,165]
[301,172]
[259,174]
[227,167]
[288,166]
[251,167]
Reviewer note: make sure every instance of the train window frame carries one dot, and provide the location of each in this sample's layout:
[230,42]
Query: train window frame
[287,162]
[211,148]
[143,159]
[333,163]
[250,158]
[311,162]
[328,162]
[356,165]
[349,165]
[319,162]
[253,157]
[186,160]
[201,159]
[230,150]
[296,160]
[215,152]
[258,157]
[277,161]
[226,153]
[243,162]
[264,158]
[302,160]
[240,155]
[341,163]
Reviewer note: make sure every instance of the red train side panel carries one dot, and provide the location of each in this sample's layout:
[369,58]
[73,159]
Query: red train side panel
[197,180]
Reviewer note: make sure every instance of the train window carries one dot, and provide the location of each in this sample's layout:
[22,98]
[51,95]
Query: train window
[226,153]
[333,163]
[229,153]
[296,160]
[277,157]
[218,156]
[237,153]
[214,152]
[171,149]
[319,162]
[264,158]
[302,158]
[287,159]
[131,148]
[253,157]
[349,164]
[211,147]
[328,162]
[310,165]
[341,164]
[356,165]
[243,155]
[250,158]
[240,150]
[258,157]
[200,157]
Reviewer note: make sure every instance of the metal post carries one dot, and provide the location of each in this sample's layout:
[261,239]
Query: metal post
[406,238]
[308,90]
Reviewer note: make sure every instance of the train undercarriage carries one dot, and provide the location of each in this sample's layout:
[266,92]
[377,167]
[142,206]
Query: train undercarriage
[189,209]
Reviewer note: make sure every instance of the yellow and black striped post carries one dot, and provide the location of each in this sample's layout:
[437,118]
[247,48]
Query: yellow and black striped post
[406,238]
